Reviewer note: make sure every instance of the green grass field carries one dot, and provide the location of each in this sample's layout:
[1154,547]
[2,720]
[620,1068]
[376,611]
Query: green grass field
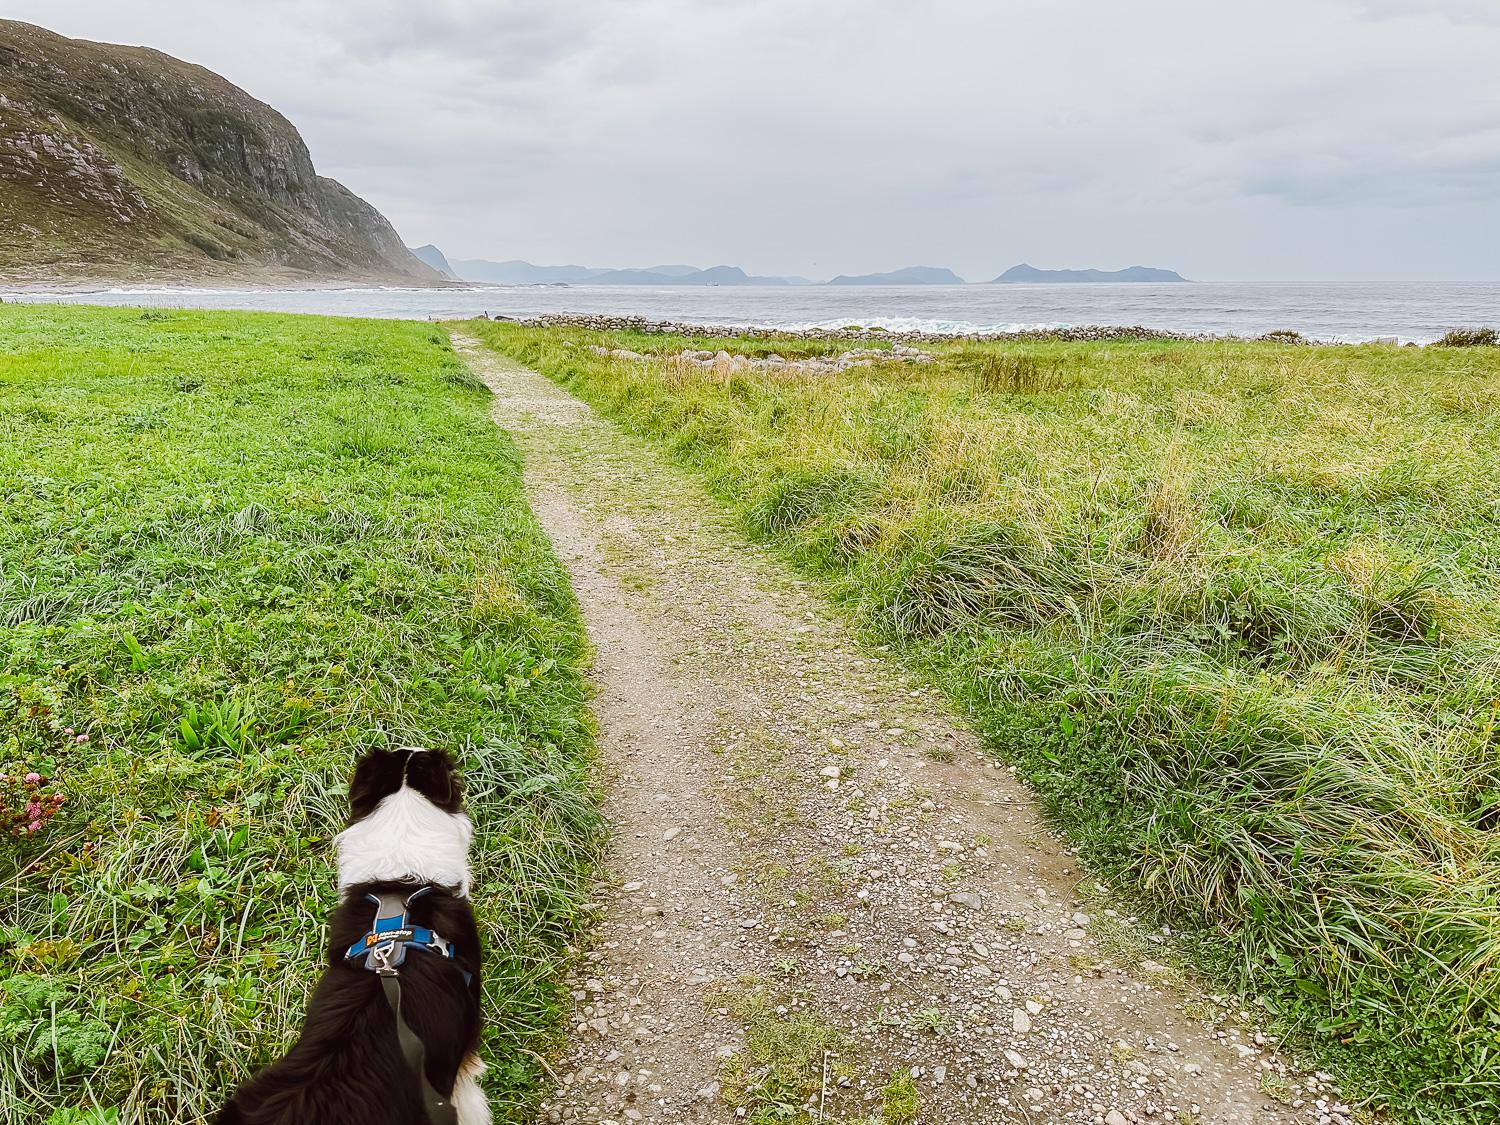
[235,550]
[1231,608]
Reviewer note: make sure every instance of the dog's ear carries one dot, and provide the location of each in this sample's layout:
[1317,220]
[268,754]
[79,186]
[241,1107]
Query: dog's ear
[431,773]
[377,776]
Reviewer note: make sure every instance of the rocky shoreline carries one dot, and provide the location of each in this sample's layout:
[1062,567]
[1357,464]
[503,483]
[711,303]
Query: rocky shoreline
[600,322]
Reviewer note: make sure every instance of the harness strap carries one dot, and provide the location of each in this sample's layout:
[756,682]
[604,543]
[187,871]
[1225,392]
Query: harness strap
[440,1111]
[383,951]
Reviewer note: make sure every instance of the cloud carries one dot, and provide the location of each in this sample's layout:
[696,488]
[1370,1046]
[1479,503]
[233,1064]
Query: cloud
[1450,11]
[525,37]
[850,135]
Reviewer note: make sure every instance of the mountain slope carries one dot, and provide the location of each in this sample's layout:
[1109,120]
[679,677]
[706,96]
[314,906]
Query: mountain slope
[430,256]
[1025,273]
[123,163]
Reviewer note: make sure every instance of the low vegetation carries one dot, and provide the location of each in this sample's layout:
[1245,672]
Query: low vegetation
[795,1066]
[1469,338]
[790,1064]
[1231,608]
[235,550]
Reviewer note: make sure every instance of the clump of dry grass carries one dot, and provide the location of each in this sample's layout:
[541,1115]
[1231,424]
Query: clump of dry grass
[1015,373]
[1171,517]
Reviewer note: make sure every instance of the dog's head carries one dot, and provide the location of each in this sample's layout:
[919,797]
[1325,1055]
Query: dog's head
[381,773]
[406,821]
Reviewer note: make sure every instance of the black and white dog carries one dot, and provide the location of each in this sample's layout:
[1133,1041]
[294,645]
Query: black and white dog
[393,1026]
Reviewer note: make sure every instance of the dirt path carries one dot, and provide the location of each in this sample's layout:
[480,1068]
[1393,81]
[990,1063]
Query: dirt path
[821,893]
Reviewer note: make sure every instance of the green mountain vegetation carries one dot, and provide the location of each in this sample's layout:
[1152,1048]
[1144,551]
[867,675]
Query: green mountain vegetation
[1229,607]
[124,164]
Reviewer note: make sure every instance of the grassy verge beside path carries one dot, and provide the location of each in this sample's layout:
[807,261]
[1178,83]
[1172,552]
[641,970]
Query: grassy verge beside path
[1230,607]
[236,549]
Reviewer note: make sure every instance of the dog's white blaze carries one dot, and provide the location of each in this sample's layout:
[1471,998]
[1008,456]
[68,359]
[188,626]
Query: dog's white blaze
[407,837]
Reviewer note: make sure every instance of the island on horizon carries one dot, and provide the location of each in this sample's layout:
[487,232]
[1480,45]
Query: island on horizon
[911,275]
[515,272]
[1027,273]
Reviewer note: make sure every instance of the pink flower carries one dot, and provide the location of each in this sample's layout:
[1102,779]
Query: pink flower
[32,778]
[34,826]
[83,738]
[67,730]
[33,809]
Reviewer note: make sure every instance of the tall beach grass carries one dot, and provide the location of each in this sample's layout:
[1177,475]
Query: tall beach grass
[1229,607]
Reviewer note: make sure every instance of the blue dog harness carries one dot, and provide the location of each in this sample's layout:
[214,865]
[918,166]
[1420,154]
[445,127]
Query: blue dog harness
[384,947]
[383,952]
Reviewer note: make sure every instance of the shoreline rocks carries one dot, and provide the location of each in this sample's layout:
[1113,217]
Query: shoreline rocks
[601,322]
[1090,333]
[724,363]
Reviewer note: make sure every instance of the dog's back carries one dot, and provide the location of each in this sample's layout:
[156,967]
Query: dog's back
[347,1066]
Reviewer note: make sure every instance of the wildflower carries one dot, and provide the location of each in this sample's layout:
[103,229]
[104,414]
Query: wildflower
[33,778]
[34,827]
[83,738]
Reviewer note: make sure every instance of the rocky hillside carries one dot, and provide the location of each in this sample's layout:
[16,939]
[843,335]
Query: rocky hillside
[125,164]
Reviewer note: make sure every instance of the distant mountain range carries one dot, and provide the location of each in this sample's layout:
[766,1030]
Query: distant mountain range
[714,275]
[911,275]
[519,273]
[1024,273]
[524,273]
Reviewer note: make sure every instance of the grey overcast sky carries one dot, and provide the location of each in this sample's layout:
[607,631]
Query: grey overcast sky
[1279,140]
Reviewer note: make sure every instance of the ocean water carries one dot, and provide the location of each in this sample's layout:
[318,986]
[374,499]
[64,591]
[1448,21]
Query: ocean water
[1337,313]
